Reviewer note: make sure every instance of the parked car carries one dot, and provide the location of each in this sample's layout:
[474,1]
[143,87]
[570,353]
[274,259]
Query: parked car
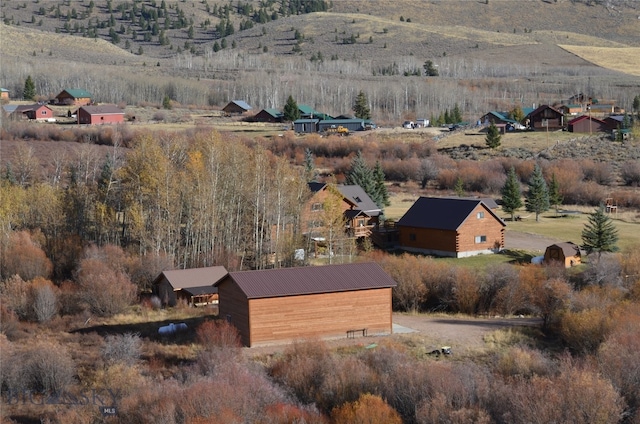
[408,124]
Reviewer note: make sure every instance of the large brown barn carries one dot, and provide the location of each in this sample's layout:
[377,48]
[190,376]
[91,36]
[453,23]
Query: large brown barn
[285,304]
[456,227]
[98,115]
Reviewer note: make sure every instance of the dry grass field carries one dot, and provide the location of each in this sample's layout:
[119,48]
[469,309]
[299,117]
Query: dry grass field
[626,60]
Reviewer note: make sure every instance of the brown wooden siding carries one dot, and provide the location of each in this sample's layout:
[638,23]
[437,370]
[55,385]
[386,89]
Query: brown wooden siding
[318,315]
[234,307]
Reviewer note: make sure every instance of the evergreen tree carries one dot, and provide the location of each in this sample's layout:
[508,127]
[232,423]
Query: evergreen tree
[361,107]
[538,195]
[555,198]
[310,171]
[430,69]
[29,91]
[166,102]
[382,195]
[511,194]
[636,105]
[291,112]
[599,233]
[447,118]
[459,187]
[456,114]
[360,174]
[493,136]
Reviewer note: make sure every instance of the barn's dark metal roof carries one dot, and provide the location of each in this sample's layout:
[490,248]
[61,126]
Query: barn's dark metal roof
[310,280]
[441,213]
[198,291]
[193,277]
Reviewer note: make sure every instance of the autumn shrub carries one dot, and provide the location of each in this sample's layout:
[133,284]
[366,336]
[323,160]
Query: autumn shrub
[349,378]
[15,296]
[104,290]
[122,348]
[303,368]
[605,271]
[630,173]
[438,409]
[522,361]
[407,271]
[619,355]
[42,296]
[625,198]
[367,409]
[585,193]
[599,172]
[221,344]
[23,256]
[8,321]
[42,366]
[465,291]
[494,279]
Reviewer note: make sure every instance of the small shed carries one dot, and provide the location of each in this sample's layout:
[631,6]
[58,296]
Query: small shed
[4,94]
[74,97]
[195,286]
[285,304]
[306,125]
[34,111]
[236,107]
[567,253]
[587,124]
[97,115]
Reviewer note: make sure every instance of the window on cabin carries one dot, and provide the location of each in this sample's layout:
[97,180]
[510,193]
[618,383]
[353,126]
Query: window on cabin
[360,222]
[480,215]
[481,239]
[43,112]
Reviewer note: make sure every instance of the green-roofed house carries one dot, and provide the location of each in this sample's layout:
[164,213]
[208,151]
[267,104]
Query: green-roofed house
[268,115]
[74,97]
[307,112]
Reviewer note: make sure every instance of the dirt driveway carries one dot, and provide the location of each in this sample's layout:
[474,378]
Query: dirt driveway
[528,242]
[463,334]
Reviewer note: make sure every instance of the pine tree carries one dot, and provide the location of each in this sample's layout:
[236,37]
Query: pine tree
[166,102]
[456,114]
[511,194]
[361,107]
[555,198]
[310,171]
[29,91]
[599,233]
[360,174]
[459,187]
[493,136]
[291,112]
[430,69]
[382,195]
[538,195]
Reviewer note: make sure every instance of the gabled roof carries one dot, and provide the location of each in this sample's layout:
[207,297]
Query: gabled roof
[273,112]
[307,110]
[197,291]
[27,108]
[360,199]
[103,110]
[306,121]
[353,194]
[311,280]
[441,213]
[585,118]
[541,108]
[77,93]
[502,116]
[242,104]
[193,277]
[568,248]
[342,121]
[488,201]
[617,118]
[527,110]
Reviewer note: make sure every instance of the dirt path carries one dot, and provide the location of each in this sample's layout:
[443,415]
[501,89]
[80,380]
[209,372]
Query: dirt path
[526,241]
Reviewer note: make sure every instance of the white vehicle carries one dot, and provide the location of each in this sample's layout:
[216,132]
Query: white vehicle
[422,123]
[408,124]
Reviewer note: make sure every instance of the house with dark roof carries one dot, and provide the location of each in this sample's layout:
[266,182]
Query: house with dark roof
[360,212]
[268,115]
[236,107]
[355,124]
[586,124]
[455,227]
[567,253]
[545,117]
[287,304]
[193,286]
[73,97]
[35,111]
[306,125]
[97,115]
[497,118]
[307,112]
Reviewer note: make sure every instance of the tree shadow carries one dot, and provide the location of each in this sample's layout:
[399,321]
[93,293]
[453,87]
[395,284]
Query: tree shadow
[518,256]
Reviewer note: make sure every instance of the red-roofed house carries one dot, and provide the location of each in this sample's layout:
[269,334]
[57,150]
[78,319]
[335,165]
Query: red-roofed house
[285,304]
[96,115]
[456,227]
